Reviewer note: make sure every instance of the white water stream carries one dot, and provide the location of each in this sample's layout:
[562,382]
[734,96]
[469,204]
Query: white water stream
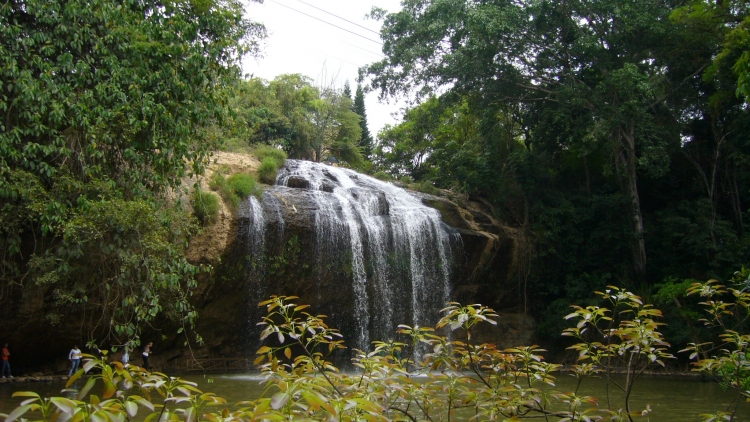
[401,252]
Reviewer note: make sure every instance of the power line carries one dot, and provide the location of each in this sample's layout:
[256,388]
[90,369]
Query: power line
[343,19]
[344,61]
[381,55]
[328,23]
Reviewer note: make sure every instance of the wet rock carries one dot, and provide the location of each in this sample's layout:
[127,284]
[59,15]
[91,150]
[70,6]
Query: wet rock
[451,213]
[382,207]
[298,182]
[327,186]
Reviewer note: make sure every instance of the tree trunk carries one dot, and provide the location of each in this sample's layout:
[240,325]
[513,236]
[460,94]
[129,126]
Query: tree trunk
[627,162]
[736,201]
[588,174]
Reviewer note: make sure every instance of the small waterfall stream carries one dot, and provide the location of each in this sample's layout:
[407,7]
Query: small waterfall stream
[368,253]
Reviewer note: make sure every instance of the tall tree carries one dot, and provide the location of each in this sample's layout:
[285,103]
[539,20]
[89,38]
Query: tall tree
[101,104]
[295,97]
[347,91]
[337,128]
[590,74]
[365,142]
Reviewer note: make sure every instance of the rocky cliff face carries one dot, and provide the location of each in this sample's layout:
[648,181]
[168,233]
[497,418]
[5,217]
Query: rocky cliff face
[363,252]
[297,240]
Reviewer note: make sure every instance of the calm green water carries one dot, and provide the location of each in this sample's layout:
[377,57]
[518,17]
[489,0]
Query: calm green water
[671,399]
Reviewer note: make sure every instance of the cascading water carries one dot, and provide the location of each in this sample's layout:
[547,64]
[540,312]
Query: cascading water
[375,256]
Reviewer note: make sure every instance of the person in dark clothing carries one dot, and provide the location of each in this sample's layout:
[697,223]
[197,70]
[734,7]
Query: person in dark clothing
[5,355]
[146,352]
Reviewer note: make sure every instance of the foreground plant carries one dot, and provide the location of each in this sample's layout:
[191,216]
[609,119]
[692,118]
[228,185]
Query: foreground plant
[125,391]
[429,377]
[454,380]
[625,337]
[728,309]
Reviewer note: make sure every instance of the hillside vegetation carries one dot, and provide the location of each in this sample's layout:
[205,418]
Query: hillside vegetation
[612,135]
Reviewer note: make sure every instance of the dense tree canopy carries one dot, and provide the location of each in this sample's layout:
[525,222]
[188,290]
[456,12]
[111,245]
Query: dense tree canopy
[614,133]
[101,102]
[307,121]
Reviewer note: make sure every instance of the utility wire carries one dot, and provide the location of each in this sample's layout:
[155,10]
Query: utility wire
[328,23]
[343,19]
[380,55]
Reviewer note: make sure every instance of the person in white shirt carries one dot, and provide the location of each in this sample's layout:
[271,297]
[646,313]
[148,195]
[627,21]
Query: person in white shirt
[125,358]
[75,359]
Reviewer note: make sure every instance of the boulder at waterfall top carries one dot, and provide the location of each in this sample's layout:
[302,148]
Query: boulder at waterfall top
[368,254]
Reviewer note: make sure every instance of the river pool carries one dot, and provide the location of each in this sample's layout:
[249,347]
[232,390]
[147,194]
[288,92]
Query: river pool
[671,399]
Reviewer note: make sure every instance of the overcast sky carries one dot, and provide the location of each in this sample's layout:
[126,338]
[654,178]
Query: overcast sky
[302,39]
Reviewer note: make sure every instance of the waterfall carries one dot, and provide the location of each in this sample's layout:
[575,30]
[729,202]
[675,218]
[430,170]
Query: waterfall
[371,254]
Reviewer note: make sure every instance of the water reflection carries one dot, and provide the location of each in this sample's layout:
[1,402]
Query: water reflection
[670,399]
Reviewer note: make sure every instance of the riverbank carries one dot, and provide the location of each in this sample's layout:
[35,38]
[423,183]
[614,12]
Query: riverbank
[37,377]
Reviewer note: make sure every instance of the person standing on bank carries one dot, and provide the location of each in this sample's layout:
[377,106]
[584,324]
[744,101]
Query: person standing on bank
[125,358]
[146,351]
[75,359]
[5,355]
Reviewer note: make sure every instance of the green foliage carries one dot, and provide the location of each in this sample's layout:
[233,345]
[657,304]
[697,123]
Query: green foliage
[454,380]
[278,264]
[69,96]
[306,121]
[137,248]
[633,342]
[242,184]
[729,25]
[336,128]
[366,142]
[726,310]
[381,175]
[615,143]
[267,170]
[425,187]
[219,184]
[278,155]
[236,187]
[205,206]
[125,391]
[103,107]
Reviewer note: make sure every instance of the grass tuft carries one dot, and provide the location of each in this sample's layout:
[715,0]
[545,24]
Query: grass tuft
[205,206]
[267,170]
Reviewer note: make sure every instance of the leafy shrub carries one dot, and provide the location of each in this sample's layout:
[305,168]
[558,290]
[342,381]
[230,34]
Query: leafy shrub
[454,375]
[278,155]
[235,188]
[267,170]
[242,184]
[219,184]
[381,175]
[426,187]
[205,206]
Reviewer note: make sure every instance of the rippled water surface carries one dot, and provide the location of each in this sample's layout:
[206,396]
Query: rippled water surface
[670,399]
